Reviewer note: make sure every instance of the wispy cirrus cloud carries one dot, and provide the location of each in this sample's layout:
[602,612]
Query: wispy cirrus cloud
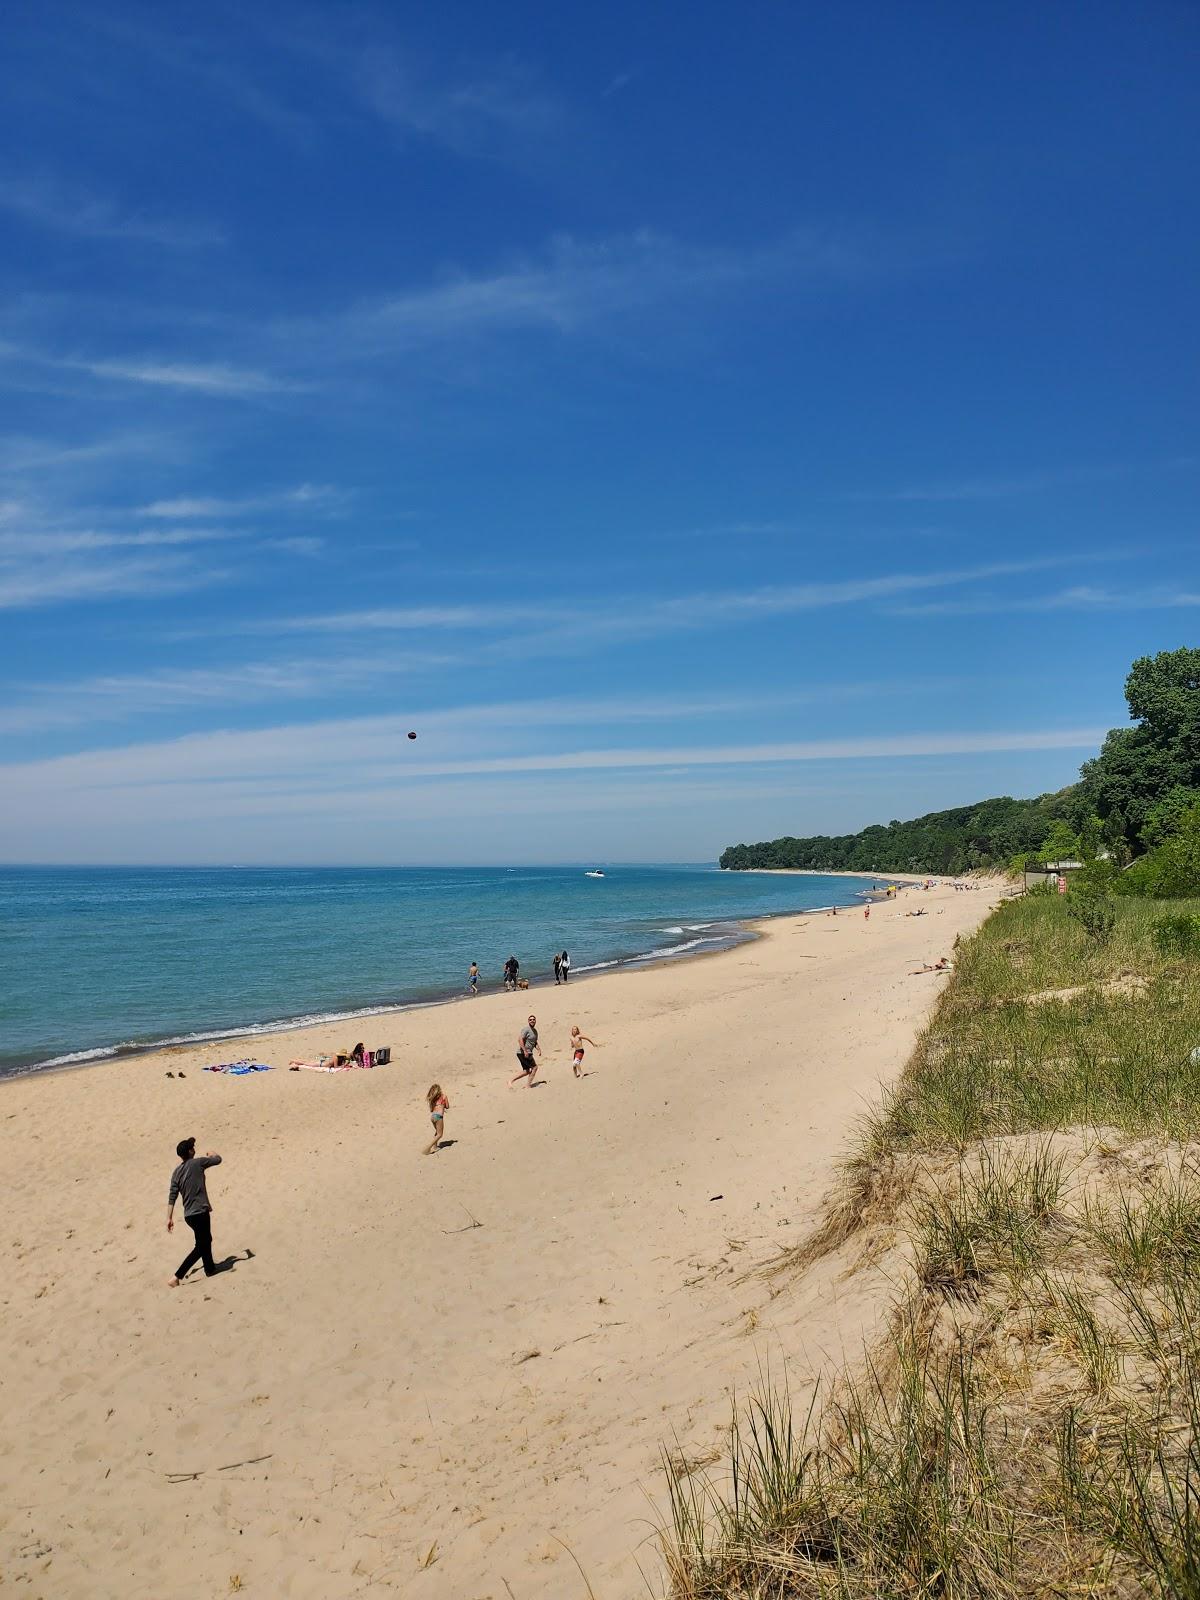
[44,582]
[314,758]
[25,453]
[1082,597]
[114,696]
[70,541]
[1004,486]
[217,378]
[49,204]
[576,283]
[197,377]
[304,497]
[640,615]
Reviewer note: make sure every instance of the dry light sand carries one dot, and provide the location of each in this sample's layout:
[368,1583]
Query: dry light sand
[386,1398]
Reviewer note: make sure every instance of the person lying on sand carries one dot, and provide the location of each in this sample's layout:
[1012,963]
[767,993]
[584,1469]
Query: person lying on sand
[940,965]
[578,1040]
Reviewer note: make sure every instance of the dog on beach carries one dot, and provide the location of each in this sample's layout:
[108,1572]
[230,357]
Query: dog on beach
[522,983]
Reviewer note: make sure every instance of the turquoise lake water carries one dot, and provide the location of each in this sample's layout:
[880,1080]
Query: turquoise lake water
[94,961]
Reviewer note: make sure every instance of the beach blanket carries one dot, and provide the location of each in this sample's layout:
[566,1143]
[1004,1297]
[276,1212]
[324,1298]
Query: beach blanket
[237,1069]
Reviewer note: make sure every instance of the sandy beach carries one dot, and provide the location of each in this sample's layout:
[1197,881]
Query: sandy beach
[448,1377]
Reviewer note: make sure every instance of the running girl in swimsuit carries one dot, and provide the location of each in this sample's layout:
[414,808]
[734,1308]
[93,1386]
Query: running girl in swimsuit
[438,1107]
[578,1040]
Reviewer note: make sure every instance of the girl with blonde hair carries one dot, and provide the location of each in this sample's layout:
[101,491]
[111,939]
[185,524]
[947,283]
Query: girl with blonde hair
[438,1107]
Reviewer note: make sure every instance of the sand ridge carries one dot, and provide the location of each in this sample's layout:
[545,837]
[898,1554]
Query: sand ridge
[387,1397]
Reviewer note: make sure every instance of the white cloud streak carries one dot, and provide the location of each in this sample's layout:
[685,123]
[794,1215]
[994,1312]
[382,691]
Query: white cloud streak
[197,377]
[639,616]
[363,768]
[50,583]
[1079,598]
[305,497]
[49,205]
[577,283]
[116,695]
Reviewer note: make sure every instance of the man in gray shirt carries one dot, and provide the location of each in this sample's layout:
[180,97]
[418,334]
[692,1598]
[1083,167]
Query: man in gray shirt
[188,1180]
[527,1043]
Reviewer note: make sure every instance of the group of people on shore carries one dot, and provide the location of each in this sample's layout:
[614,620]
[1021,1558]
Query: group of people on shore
[512,978]
[188,1180]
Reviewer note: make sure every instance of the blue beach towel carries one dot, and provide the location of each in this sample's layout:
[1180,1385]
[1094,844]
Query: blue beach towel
[238,1069]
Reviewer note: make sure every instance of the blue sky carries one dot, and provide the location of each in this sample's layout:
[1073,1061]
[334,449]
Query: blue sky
[698,424]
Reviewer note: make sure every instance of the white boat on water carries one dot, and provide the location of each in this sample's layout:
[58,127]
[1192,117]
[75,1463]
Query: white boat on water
[593,874]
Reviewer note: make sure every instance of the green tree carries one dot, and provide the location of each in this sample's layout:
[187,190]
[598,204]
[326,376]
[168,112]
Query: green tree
[1166,814]
[1137,766]
[1175,865]
[1060,844]
[1091,837]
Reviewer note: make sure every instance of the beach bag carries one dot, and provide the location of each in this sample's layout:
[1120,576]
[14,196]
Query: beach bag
[382,1057]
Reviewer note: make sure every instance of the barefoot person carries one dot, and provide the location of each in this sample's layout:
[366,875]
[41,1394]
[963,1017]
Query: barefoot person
[188,1181]
[578,1040]
[438,1107]
[473,978]
[527,1044]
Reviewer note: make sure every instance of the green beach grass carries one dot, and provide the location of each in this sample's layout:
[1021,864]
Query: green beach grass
[1030,1423]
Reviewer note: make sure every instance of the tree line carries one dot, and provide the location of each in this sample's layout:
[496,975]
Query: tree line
[1138,798]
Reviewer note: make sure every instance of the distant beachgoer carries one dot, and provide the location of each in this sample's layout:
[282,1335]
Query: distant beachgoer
[564,966]
[557,968]
[527,1044]
[511,969]
[188,1180]
[438,1107]
[578,1040]
[942,964]
[473,978]
[866,913]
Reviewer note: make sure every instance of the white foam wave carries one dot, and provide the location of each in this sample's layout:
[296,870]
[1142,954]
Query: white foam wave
[669,950]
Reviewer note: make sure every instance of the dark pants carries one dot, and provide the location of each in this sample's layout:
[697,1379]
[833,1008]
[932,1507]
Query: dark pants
[201,1226]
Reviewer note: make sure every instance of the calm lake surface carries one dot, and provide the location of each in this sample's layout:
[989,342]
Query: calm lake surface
[94,961]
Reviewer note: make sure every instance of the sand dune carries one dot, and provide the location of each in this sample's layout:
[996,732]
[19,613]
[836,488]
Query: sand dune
[387,1396]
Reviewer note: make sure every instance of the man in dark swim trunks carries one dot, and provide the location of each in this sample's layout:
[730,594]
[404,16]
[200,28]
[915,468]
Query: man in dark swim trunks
[527,1043]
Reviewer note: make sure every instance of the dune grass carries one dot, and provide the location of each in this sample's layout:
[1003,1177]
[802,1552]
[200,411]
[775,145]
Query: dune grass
[1030,1425]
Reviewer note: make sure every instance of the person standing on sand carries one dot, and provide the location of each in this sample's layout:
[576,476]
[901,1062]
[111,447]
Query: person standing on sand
[473,978]
[188,1180]
[527,1043]
[512,968]
[438,1107]
[564,966]
[866,913]
[557,967]
[578,1040]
